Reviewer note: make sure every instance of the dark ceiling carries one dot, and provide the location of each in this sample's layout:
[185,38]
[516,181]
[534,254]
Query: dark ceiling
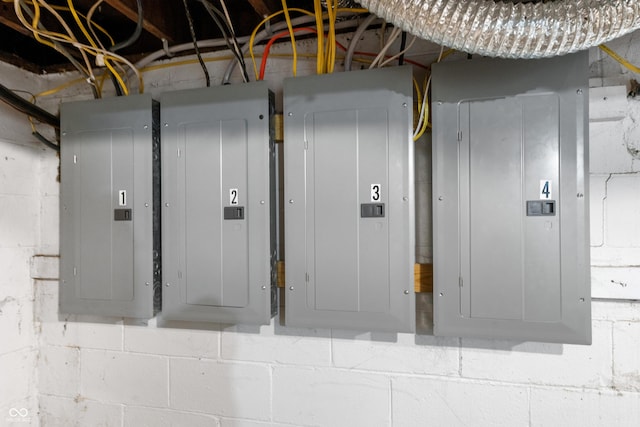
[163,19]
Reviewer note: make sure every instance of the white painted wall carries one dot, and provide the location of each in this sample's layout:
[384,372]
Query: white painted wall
[113,372]
[20,207]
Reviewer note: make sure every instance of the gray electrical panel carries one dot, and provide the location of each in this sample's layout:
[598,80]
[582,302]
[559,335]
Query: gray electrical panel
[109,218]
[511,226]
[219,210]
[349,201]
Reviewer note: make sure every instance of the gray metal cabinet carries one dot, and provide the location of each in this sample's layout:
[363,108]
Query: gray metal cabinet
[349,201]
[109,242]
[218,205]
[511,236]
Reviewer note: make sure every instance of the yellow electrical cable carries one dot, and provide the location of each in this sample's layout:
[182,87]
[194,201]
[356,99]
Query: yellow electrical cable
[291,9]
[620,59]
[317,8]
[285,9]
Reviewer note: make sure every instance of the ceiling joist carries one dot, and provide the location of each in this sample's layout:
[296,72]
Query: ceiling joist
[157,16]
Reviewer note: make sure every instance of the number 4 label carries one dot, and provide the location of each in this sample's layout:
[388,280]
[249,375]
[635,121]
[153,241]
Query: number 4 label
[545,189]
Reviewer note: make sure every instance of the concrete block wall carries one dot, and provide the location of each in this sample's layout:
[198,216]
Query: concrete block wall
[119,372]
[20,213]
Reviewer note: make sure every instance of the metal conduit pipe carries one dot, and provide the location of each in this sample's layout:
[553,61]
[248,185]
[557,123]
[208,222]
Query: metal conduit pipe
[512,29]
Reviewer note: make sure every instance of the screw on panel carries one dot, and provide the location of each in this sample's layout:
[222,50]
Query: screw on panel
[579,91]
[146,283]
[404,104]
[146,205]
[441,294]
[290,114]
[580,195]
[168,284]
[64,133]
[405,198]
[290,288]
[581,299]
[261,116]
[262,202]
[166,125]
[406,292]
[166,204]
[291,201]
[264,287]
[146,127]
[441,198]
[439,102]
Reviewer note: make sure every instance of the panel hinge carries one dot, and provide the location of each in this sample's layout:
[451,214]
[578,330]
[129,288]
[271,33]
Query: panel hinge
[75,271]
[460,281]
[306,277]
[306,144]
[75,159]
[459,135]
[178,152]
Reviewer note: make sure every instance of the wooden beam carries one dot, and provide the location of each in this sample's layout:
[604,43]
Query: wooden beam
[422,277]
[263,7]
[158,15]
[8,18]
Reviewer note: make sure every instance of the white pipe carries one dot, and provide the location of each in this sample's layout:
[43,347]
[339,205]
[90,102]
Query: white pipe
[512,30]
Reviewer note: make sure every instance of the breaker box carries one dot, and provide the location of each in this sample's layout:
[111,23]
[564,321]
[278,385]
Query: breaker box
[219,209]
[349,200]
[109,210]
[511,226]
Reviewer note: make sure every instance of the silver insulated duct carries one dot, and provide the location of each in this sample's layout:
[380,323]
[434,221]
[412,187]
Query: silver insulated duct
[506,29]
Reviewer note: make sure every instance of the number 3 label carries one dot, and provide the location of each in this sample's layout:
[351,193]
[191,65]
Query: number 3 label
[233,196]
[545,189]
[375,192]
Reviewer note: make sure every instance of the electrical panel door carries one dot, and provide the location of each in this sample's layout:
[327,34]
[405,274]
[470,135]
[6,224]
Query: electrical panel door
[109,237]
[218,204]
[349,200]
[511,235]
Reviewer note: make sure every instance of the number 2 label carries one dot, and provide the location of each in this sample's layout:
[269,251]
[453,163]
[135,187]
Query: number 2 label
[375,192]
[233,196]
[545,189]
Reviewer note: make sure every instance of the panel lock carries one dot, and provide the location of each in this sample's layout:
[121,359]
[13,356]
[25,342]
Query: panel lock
[122,215]
[541,207]
[372,210]
[234,212]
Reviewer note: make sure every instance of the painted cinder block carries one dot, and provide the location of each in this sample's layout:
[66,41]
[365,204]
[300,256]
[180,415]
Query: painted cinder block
[541,363]
[622,211]
[217,388]
[276,344]
[562,407]
[420,354]
[114,377]
[59,371]
[328,397]
[171,342]
[57,411]
[626,356]
[154,417]
[437,402]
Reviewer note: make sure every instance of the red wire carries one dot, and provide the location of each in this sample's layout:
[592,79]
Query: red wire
[265,54]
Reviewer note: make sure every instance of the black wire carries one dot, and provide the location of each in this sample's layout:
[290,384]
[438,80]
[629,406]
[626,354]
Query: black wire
[403,44]
[24,106]
[45,141]
[195,43]
[136,33]
[226,30]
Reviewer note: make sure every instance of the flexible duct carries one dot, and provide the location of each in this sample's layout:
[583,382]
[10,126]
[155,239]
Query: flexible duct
[509,29]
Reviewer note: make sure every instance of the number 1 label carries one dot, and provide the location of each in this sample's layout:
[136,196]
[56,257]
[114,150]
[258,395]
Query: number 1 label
[545,189]
[122,197]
